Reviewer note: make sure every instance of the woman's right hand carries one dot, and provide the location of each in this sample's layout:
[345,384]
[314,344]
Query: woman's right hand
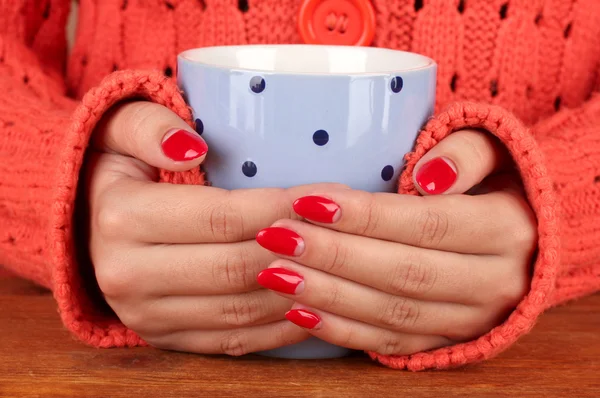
[178,263]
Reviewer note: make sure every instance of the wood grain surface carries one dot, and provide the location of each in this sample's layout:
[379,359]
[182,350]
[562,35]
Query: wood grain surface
[38,358]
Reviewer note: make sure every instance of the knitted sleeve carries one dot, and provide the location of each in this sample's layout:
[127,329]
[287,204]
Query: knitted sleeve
[559,163]
[43,137]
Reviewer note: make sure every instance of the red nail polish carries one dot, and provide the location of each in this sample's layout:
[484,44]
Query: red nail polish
[317,208]
[436,176]
[181,145]
[281,280]
[281,241]
[304,319]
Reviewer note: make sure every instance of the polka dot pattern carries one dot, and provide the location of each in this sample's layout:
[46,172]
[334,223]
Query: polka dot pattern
[199,126]
[249,168]
[387,173]
[257,84]
[321,137]
[397,84]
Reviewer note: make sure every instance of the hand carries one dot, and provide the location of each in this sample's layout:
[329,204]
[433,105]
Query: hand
[399,274]
[178,263]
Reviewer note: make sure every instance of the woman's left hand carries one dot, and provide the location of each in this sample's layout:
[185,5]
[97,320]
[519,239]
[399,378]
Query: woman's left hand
[399,274]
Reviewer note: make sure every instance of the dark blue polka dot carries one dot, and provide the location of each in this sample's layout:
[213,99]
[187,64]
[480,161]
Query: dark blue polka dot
[320,137]
[199,126]
[397,84]
[257,84]
[249,169]
[387,173]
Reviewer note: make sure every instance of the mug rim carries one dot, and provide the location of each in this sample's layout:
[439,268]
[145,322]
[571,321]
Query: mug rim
[194,56]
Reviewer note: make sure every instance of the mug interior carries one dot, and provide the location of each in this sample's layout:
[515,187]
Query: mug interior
[308,59]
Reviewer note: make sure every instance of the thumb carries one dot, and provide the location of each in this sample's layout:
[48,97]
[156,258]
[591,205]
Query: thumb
[151,133]
[459,162]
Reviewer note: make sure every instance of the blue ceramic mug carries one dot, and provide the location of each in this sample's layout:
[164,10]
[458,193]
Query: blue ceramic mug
[286,115]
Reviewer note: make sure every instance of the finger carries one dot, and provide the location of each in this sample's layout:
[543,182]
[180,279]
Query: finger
[357,335]
[170,213]
[180,313]
[508,182]
[459,162]
[182,270]
[455,223]
[353,300]
[393,268]
[234,342]
[151,133]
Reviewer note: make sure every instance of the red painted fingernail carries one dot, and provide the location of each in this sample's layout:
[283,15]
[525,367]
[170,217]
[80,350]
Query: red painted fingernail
[436,176]
[281,280]
[181,145]
[304,319]
[281,241]
[317,208]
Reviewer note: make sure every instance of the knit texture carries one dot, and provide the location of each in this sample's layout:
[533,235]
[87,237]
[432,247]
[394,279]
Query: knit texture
[525,70]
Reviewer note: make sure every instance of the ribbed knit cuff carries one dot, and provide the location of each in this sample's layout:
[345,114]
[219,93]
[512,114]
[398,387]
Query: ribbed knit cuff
[80,314]
[530,162]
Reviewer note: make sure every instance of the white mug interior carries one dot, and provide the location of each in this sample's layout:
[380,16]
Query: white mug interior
[309,59]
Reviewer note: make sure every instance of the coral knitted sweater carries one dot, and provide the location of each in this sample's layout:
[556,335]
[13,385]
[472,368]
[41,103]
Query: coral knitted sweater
[528,71]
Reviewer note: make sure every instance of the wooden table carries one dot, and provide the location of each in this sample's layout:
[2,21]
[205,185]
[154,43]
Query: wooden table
[38,358]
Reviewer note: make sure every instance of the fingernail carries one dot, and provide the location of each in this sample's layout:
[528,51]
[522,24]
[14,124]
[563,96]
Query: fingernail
[317,208]
[436,176]
[281,241]
[303,318]
[281,280]
[181,145]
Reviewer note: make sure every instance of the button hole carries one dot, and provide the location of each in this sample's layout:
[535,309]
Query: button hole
[503,10]
[169,71]
[557,103]
[494,88]
[567,31]
[26,79]
[243,5]
[418,5]
[461,6]
[124,5]
[538,18]
[202,4]
[170,6]
[453,82]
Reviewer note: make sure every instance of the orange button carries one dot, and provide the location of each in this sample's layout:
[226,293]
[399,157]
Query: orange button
[337,22]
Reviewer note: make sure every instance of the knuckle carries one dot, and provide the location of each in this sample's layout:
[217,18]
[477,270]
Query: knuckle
[347,337]
[135,319]
[137,119]
[390,344]
[478,150]
[511,293]
[110,220]
[115,281]
[234,344]
[334,299]
[225,223]
[236,270]
[369,220]
[412,278]
[243,310]
[432,227]
[399,314]
[524,237]
[337,255]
